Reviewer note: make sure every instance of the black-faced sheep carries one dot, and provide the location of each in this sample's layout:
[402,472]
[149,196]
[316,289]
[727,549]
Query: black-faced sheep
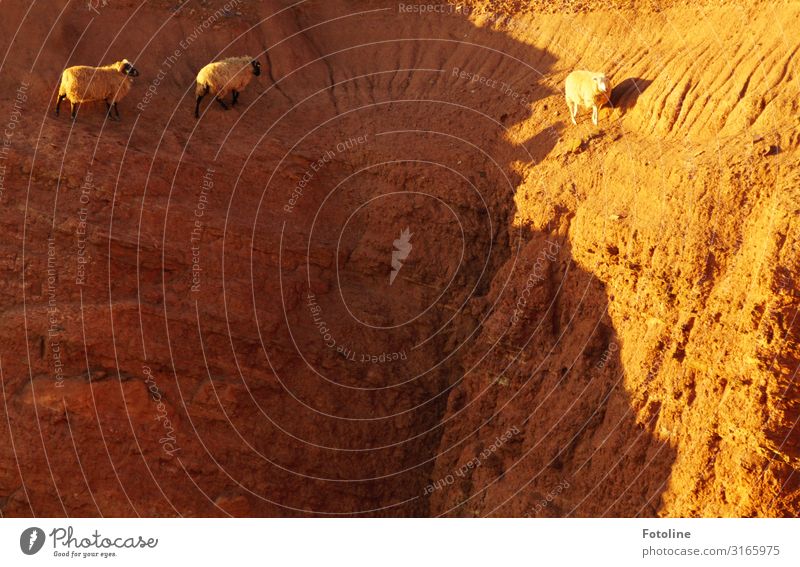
[109,83]
[221,77]
[587,89]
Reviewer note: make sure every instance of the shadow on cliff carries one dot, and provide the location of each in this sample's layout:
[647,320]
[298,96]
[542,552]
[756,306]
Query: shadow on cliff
[548,370]
[556,373]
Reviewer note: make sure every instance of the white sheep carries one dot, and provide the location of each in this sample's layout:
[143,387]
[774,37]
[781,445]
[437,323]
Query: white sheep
[109,83]
[588,89]
[221,77]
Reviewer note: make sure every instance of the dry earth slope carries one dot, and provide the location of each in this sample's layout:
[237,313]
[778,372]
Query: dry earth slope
[590,321]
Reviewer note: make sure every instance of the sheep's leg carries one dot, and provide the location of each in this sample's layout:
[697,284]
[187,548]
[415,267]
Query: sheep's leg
[199,98]
[116,110]
[573,112]
[74,107]
[108,110]
[594,115]
[58,103]
[235,98]
[222,102]
[197,106]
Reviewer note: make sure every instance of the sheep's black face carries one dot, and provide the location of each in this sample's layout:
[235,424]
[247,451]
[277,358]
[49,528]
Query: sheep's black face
[256,68]
[130,70]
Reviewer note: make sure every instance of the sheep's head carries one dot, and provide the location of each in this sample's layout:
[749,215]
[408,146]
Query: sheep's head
[256,67]
[603,84]
[126,68]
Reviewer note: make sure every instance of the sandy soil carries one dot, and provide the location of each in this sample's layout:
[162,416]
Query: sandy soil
[199,316]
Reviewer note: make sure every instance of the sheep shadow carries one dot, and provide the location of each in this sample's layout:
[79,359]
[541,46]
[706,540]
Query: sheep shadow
[625,95]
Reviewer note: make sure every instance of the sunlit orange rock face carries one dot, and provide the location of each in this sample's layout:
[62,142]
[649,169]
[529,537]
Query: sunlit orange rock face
[395,280]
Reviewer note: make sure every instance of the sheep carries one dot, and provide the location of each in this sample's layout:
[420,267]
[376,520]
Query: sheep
[220,77]
[588,89]
[109,83]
